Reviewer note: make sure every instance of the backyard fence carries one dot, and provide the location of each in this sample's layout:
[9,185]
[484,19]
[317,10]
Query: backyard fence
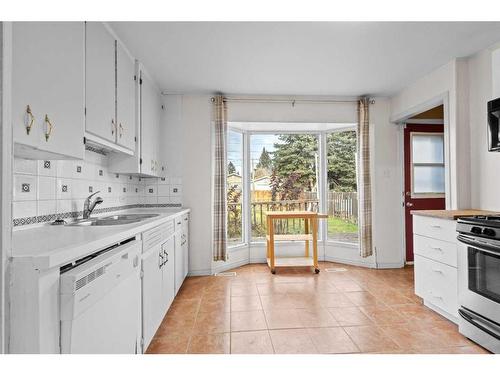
[343,205]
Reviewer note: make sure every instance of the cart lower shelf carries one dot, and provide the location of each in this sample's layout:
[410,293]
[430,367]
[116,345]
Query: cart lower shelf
[292,262]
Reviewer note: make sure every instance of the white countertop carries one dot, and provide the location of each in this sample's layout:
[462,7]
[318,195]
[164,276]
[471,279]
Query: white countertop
[51,246]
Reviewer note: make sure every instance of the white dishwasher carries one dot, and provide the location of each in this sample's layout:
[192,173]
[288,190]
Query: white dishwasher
[100,302]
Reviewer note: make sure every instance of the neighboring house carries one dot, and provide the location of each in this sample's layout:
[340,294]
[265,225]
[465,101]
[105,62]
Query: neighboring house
[234,179]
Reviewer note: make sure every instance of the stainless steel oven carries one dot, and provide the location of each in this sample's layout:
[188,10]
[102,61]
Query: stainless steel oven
[479,280]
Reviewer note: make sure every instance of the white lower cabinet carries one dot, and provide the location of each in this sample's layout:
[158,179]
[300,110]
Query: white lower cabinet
[436,278]
[163,272]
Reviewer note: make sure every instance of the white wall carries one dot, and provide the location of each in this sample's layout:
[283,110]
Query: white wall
[187,147]
[485,175]
[188,139]
[5,175]
[449,84]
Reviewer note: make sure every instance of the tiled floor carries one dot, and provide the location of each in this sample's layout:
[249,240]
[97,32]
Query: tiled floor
[352,310]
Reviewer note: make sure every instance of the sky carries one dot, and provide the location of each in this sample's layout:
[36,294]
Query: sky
[257,143]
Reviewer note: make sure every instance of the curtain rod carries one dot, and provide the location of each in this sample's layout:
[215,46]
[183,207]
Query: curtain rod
[291,101]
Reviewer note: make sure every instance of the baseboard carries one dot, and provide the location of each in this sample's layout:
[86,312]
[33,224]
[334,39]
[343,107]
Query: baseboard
[200,273]
[230,265]
[352,262]
[390,265]
[440,311]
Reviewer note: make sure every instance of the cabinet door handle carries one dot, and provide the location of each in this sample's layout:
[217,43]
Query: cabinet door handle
[436,226]
[437,271]
[113,126]
[48,129]
[436,248]
[121,130]
[30,119]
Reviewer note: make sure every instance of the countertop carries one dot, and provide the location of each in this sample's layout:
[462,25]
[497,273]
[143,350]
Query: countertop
[51,246]
[452,214]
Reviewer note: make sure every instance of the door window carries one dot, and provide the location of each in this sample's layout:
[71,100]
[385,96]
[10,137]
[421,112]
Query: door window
[427,159]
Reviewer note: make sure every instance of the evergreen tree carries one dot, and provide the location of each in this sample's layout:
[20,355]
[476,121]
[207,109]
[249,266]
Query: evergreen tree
[265,161]
[341,155]
[294,156]
[231,168]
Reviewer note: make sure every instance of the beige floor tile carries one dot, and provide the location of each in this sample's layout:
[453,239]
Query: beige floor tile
[371,339]
[382,314]
[248,321]
[252,342]
[292,341]
[218,343]
[212,322]
[332,340]
[283,318]
[316,317]
[334,300]
[246,303]
[350,316]
[362,298]
[169,345]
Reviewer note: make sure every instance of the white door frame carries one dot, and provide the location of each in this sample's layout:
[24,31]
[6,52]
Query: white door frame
[400,120]
[5,175]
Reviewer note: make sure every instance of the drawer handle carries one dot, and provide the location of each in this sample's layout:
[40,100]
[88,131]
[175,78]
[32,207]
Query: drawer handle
[30,119]
[435,296]
[436,248]
[49,128]
[437,271]
[436,226]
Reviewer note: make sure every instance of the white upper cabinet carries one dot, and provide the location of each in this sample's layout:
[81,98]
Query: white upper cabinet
[48,77]
[100,82]
[125,101]
[151,106]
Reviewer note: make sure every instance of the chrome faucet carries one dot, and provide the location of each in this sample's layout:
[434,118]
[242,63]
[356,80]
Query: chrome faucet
[89,206]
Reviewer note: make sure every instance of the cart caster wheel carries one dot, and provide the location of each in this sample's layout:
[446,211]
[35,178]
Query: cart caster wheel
[273,272]
[316,270]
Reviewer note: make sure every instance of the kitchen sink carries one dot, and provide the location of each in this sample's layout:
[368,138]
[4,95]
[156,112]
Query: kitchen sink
[112,220]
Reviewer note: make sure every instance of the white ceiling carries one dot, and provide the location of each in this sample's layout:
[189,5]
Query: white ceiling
[293,58]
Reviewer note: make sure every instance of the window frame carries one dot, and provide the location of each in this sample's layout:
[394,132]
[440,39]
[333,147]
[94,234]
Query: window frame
[322,184]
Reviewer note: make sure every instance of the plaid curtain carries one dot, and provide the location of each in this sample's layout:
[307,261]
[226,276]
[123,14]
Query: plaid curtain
[220,167]
[364,183]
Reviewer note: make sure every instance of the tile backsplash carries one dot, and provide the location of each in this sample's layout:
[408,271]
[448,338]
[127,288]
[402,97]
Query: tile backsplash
[47,189]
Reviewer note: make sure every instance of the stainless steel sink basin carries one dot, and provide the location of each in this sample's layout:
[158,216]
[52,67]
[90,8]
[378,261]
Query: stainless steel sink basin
[112,220]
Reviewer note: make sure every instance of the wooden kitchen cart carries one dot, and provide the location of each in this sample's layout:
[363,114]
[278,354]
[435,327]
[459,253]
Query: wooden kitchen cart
[310,235]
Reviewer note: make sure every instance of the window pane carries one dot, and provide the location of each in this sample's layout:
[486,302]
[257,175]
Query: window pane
[283,177]
[342,187]
[427,148]
[428,179]
[234,187]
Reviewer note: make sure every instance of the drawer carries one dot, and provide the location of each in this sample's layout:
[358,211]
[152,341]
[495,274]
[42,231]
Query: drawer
[178,223]
[437,283]
[441,251]
[441,229]
[157,234]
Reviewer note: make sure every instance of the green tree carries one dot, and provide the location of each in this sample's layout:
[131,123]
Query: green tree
[265,161]
[231,168]
[294,160]
[341,154]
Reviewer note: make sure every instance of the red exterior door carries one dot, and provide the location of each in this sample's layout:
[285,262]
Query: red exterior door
[424,174]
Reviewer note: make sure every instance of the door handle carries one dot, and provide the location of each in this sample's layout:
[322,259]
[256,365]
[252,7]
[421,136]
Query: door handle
[409,204]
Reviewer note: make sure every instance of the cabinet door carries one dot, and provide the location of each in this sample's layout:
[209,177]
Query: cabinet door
[100,82]
[150,122]
[152,296]
[48,76]
[179,261]
[168,288]
[125,100]
[185,244]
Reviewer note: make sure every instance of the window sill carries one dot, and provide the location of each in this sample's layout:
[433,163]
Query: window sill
[343,244]
[237,246]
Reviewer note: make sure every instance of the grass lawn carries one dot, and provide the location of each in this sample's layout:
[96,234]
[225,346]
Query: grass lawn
[337,225]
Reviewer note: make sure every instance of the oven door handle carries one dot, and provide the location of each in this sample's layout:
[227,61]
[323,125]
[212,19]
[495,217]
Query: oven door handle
[480,323]
[478,245]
